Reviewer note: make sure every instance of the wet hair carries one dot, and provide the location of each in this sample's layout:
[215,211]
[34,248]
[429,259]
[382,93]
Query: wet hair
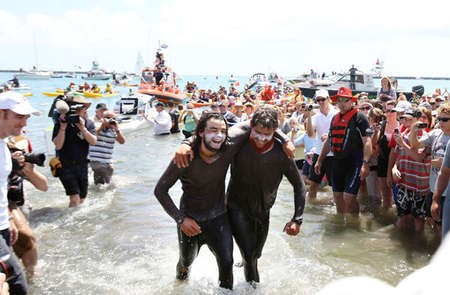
[201,126]
[266,116]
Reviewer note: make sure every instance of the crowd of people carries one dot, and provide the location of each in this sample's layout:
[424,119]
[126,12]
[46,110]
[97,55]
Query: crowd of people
[391,150]
[394,151]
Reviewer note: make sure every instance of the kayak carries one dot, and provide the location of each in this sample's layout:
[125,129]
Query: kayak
[200,104]
[51,94]
[99,95]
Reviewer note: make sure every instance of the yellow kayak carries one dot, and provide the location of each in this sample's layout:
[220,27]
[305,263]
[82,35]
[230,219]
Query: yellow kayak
[99,95]
[27,94]
[51,94]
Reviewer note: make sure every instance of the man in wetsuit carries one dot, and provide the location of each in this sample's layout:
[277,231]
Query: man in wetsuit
[201,216]
[256,172]
[352,149]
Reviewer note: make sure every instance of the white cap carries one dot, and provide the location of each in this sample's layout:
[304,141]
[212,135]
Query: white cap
[402,106]
[16,102]
[322,93]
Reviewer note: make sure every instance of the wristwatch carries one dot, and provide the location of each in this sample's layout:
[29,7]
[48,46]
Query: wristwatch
[365,162]
[180,219]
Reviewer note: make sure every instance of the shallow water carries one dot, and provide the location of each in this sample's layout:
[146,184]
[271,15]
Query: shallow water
[122,242]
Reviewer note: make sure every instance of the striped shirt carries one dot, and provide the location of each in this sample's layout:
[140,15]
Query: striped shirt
[103,149]
[415,175]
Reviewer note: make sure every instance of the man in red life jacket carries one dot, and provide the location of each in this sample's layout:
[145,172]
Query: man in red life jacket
[352,149]
[267,93]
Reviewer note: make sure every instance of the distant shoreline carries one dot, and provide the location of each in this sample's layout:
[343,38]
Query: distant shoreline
[394,77]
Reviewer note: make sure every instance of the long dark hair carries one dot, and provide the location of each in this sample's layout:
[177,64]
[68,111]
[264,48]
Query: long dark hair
[201,125]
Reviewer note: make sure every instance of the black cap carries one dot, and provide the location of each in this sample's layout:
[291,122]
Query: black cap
[160,104]
[101,106]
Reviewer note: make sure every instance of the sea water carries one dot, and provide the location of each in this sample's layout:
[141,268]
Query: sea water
[120,241]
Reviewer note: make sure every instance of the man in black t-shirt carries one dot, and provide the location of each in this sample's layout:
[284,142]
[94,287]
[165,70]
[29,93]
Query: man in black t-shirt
[72,138]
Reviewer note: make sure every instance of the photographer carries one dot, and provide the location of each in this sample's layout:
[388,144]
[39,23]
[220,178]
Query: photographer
[23,168]
[72,134]
[14,113]
[100,154]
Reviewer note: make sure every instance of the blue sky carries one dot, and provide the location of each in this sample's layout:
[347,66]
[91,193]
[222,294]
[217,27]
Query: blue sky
[228,37]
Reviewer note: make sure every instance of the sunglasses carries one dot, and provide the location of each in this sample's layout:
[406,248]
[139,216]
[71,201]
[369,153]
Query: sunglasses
[342,99]
[441,119]
[391,111]
[320,99]
[365,108]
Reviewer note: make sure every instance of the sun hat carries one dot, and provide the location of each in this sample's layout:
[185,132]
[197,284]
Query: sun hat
[75,98]
[16,102]
[238,104]
[344,92]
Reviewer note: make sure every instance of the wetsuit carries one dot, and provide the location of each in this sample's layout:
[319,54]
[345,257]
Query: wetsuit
[252,192]
[203,200]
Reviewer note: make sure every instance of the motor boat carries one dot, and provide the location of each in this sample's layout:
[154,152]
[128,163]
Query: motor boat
[356,80]
[96,73]
[33,74]
[166,90]
[132,111]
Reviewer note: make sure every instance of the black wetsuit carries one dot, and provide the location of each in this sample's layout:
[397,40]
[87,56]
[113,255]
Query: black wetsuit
[251,193]
[203,200]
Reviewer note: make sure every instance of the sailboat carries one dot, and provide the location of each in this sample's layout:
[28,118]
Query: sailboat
[377,70]
[34,73]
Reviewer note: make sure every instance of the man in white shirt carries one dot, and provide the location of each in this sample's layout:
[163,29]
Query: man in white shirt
[162,121]
[318,125]
[14,112]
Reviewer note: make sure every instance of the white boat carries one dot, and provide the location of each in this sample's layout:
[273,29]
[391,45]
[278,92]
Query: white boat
[96,73]
[356,80]
[377,70]
[132,111]
[33,74]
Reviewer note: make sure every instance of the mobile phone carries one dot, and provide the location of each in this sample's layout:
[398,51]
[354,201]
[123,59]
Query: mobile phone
[396,131]
[422,125]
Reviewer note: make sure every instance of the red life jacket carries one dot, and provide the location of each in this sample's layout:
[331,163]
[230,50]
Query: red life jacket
[340,131]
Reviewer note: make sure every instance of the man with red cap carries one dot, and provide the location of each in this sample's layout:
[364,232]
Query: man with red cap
[352,149]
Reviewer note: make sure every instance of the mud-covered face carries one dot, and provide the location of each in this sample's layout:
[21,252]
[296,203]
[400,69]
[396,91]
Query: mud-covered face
[261,135]
[214,135]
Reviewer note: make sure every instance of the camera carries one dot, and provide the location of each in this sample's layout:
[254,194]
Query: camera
[422,125]
[396,131]
[72,116]
[35,158]
[310,107]
[112,121]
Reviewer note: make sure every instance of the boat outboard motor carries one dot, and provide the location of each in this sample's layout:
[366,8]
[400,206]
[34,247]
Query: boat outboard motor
[418,90]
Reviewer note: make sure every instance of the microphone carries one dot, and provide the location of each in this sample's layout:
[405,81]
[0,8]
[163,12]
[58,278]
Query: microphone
[62,107]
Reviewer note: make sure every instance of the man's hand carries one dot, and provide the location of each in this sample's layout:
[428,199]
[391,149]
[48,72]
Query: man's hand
[190,227]
[365,171]
[289,149]
[435,211]
[13,232]
[292,228]
[317,167]
[183,156]
[19,157]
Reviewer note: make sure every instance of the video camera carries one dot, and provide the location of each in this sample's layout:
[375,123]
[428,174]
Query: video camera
[310,107]
[64,106]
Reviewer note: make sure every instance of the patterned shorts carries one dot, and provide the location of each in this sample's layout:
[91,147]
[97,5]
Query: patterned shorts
[409,202]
